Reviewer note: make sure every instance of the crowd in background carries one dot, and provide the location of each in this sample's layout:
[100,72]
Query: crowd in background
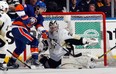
[74,6]
[92,6]
[81,6]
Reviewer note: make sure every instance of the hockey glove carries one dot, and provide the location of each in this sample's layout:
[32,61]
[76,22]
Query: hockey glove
[45,34]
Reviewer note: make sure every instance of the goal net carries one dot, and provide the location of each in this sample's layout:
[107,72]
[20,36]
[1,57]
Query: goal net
[87,25]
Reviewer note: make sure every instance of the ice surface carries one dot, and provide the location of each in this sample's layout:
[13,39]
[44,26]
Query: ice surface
[61,71]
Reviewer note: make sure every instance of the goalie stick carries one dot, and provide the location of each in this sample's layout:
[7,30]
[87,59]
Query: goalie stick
[74,55]
[106,52]
[19,60]
[93,58]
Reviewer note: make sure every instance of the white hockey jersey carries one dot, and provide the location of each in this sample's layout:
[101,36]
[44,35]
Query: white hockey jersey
[7,22]
[56,51]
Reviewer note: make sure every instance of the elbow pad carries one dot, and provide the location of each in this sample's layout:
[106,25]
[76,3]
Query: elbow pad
[29,22]
[25,19]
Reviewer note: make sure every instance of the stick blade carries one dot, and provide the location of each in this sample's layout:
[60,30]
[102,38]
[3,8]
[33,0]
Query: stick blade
[77,55]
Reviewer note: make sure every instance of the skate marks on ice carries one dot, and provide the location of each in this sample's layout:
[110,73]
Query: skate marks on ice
[82,62]
[84,70]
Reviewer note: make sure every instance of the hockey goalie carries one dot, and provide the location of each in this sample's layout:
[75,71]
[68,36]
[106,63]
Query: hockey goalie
[61,43]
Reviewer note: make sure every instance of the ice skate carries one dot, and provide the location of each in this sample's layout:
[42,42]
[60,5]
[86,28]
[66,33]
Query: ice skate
[35,62]
[12,65]
[32,61]
[91,65]
[29,60]
[3,67]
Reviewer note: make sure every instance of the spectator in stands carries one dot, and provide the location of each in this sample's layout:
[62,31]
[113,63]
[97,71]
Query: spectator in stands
[12,5]
[92,8]
[99,3]
[84,5]
[60,4]
[32,2]
[106,8]
[78,2]
[52,7]
[73,6]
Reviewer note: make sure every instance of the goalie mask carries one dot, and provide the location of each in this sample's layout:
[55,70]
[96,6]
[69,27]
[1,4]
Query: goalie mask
[53,26]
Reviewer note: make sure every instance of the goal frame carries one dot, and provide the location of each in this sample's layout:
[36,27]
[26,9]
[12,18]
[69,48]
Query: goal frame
[84,13]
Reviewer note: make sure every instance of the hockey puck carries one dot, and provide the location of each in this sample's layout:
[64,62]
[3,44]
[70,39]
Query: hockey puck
[92,59]
[80,68]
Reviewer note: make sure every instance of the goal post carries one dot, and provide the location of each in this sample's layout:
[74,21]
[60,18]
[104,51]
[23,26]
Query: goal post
[84,24]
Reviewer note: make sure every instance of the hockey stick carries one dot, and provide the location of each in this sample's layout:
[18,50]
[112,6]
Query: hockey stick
[106,52]
[74,55]
[19,60]
[93,58]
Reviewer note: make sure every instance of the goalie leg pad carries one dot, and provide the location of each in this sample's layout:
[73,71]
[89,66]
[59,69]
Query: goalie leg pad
[44,60]
[74,41]
[91,41]
[54,64]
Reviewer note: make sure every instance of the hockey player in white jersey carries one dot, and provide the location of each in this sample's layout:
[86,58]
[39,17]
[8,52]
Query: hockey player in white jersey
[5,22]
[59,39]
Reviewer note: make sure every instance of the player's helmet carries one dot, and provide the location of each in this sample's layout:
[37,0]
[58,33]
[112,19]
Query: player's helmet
[41,4]
[4,6]
[53,26]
